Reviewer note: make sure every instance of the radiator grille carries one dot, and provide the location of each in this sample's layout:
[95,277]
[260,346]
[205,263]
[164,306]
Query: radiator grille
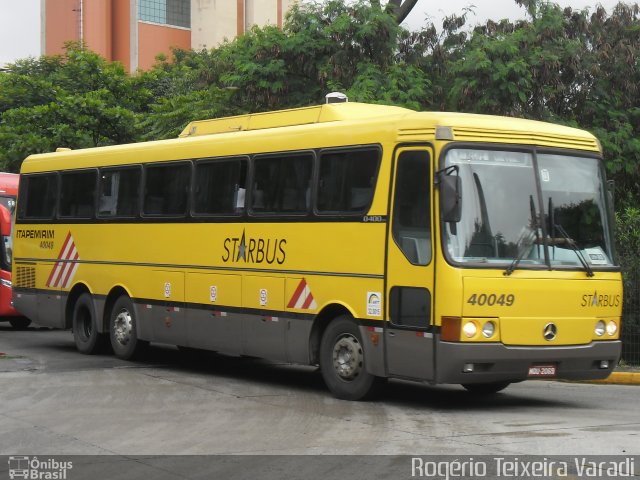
[25,277]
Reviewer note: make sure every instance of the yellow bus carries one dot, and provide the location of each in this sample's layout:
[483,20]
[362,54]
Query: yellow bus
[374,241]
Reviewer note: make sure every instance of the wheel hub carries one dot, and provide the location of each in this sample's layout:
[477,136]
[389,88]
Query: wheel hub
[122,327]
[347,357]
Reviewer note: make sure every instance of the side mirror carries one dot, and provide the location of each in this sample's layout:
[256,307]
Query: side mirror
[450,198]
[611,190]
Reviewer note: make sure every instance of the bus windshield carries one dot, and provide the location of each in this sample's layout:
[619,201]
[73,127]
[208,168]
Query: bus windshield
[504,220]
[9,202]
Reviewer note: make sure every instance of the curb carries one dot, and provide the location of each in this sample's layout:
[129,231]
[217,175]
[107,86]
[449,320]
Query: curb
[621,378]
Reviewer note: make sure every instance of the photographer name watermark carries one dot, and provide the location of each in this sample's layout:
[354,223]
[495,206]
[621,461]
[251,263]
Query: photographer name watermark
[514,467]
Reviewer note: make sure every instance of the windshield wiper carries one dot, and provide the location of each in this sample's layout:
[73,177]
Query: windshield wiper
[572,244]
[533,233]
[568,240]
[524,249]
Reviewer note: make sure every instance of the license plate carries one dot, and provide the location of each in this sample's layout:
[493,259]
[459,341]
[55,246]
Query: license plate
[542,371]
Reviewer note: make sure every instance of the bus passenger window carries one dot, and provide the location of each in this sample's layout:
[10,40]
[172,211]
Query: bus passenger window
[77,194]
[410,307]
[281,185]
[38,193]
[219,186]
[119,192]
[166,189]
[411,224]
[347,180]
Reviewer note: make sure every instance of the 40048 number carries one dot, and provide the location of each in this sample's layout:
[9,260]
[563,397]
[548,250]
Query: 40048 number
[482,299]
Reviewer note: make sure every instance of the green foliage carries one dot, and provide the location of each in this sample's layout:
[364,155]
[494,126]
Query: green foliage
[77,100]
[565,66]
[322,47]
[628,245]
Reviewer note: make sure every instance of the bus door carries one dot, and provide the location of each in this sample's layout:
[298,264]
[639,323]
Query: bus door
[410,268]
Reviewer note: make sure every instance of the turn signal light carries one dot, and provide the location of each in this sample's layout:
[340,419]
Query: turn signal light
[450,331]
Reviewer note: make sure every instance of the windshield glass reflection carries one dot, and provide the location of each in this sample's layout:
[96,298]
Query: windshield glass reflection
[574,194]
[502,222]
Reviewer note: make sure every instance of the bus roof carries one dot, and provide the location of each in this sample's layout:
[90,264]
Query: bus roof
[296,116]
[335,120]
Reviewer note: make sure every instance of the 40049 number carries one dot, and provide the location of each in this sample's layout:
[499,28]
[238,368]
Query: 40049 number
[482,299]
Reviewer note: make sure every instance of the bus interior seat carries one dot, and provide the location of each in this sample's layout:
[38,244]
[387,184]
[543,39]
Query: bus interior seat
[359,198]
[257,201]
[153,205]
[107,205]
[290,201]
[84,210]
[416,249]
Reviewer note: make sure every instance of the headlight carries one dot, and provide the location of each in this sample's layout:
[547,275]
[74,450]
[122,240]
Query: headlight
[612,328]
[470,329]
[600,328]
[488,329]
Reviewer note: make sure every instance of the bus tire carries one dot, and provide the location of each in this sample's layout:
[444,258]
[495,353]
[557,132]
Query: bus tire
[19,323]
[85,330]
[485,388]
[342,361]
[123,330]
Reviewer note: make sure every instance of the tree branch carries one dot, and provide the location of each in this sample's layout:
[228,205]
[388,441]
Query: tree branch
[399,8]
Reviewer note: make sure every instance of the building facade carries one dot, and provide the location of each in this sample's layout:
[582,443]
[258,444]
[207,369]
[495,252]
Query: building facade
[134,32]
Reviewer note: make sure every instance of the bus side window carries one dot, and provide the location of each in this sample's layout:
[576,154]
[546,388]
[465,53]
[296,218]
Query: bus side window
[410,306]
[219,186]
[166,189]
[77,194]
[411,224]
[119,192]
[38,196]
[281,184]
[347,180]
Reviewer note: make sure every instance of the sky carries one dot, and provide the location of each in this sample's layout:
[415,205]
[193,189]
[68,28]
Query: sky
[19,29]
[483,10]
[20,19]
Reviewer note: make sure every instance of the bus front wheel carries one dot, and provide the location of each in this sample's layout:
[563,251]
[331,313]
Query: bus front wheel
[342,361]
[85,332]
[123,330]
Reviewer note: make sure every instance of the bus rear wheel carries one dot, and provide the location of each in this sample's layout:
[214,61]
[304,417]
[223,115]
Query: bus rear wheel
[123,330]
[342,361]
[486,388]
[85,330]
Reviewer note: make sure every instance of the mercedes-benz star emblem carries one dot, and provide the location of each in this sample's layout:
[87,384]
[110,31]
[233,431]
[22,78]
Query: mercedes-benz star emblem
[550,331]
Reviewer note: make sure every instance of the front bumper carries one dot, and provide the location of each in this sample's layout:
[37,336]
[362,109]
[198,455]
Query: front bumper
[495,362]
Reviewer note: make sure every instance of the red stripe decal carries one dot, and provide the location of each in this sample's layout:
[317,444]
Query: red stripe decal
[294,299]
[308,301]
[66,278]
[64,246]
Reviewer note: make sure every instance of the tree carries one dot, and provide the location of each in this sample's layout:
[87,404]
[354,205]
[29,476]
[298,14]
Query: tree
[398,8]
[564,66]
[322,47]
[76,100]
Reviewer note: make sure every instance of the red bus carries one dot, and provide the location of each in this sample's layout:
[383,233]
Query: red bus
[8,193]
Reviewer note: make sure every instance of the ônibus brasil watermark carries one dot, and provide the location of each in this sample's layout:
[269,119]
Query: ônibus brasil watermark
[513,467]
[33,468]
